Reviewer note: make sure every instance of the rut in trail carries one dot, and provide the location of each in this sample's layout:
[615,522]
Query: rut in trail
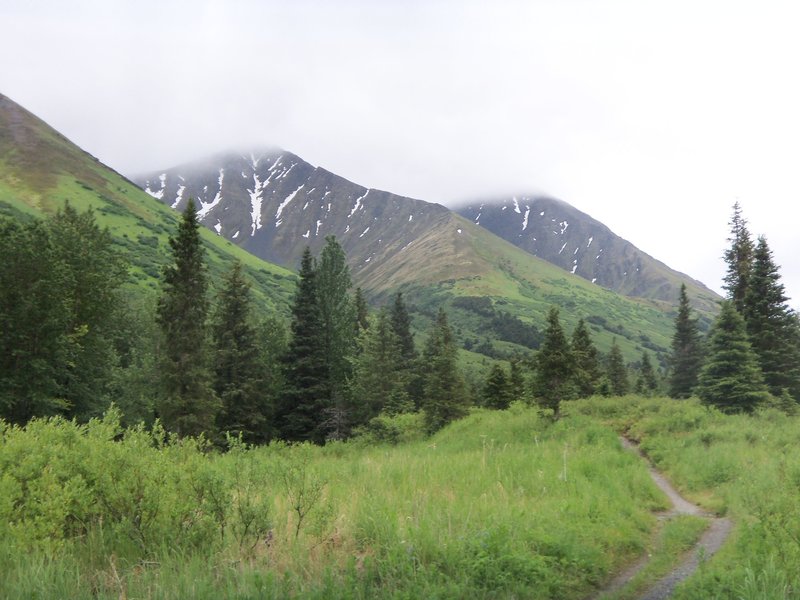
[711,541]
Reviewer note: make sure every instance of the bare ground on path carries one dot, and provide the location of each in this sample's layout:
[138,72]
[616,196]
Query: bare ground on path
[711,541]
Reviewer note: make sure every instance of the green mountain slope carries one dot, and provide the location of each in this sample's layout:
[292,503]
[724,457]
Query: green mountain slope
[273,204]
[40,170]
[561,234]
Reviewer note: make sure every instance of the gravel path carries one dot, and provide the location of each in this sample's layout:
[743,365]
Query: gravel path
[709,543]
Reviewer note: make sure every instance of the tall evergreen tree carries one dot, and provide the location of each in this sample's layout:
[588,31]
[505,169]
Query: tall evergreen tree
[646,383]
[306,391]
[401,325]
[237,369]
[189,405]
[444,392]
[338,339]
[379,381]
[497,391]
[616,371]
[95,273]
[739,258]
[686,359]
[555,367]
[771,324]
[34,323]
[516,380]
[362,311]
[586,373]
[731,379]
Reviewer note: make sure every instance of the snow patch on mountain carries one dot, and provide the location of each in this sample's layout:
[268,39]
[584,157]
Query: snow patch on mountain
[256,200]
[158,194]
[358,204]
[178,196]
[206,207]
[283,205]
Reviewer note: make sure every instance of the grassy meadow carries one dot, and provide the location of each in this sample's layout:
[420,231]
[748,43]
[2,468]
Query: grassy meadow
[502,504]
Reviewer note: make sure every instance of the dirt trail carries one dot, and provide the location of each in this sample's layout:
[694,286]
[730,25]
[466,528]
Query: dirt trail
[709,543]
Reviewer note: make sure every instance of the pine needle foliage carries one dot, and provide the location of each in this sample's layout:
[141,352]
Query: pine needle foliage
[189,406]
[686,359]
[731,379]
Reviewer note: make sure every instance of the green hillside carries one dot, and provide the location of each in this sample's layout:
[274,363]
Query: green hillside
[40,170]
[462,260]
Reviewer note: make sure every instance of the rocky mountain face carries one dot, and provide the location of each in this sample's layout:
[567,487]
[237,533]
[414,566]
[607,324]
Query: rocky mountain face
[564,236]
[273,204]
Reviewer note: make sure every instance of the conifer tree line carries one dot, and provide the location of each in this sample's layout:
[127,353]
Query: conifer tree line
[206,363]
[751,357]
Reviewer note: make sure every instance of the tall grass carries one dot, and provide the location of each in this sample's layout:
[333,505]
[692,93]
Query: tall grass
[498,505]
[747,467]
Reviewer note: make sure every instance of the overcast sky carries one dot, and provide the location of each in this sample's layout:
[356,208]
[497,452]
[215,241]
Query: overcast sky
[652,116]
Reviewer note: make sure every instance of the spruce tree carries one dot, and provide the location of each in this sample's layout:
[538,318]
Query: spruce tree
[686,359]
[34,323]
[555,367]
[771,324]
[237,369]
[731,379]
[379,382]
[188,405]
[616,371]
[497,391]
[306,393]
[739,258]
[338,336]
[586,373]
[362,311]
[516,380]
[401,325]
[95,273]
[444,392]
[646,383]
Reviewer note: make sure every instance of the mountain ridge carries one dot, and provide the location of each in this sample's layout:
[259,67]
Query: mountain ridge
[556,231]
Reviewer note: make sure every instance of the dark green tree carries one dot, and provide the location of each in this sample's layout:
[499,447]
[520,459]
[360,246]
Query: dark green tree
[401,325]
[237,368]
[516,380]
[739,258]
[586,373]
[771,324]
[497,391]
[338,336]
[95,273]
[306,392]
[362,310]
[554,367]
[731,379]
[34,323]
[616,371]
[188,405]
[444,392]
[135,383]
[379,382]
[647,382]
[686,359]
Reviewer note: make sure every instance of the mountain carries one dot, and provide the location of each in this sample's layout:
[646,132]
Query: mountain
[40,170]
[272,203]
[564,236]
